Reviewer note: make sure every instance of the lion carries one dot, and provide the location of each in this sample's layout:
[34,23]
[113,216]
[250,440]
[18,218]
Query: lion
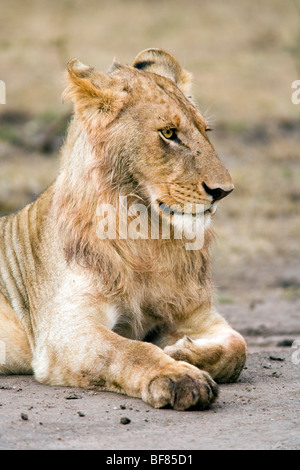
[134,316]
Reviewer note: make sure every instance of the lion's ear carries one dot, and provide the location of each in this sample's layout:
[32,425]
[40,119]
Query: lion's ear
[162,63]
[95,94]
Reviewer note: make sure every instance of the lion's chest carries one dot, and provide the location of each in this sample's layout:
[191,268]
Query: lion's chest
[153,304]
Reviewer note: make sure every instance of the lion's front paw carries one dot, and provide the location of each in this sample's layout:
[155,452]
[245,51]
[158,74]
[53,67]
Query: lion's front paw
[181,387]
[223,356]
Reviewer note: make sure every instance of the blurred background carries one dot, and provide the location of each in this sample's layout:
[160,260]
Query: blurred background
[244,56]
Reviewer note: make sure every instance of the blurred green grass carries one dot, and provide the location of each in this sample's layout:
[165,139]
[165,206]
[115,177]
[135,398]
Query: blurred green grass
[244,56]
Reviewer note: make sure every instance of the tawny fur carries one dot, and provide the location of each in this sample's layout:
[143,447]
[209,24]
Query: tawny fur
[133,316]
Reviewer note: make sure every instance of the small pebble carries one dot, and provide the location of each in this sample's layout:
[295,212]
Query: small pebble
[268,365]
[285,343]
[73,396]
[24,416]
[275,358]
[125,420]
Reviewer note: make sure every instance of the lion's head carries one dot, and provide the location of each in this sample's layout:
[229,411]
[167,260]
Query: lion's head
[146,136]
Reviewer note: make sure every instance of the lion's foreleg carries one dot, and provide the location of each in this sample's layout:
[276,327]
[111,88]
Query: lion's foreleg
[211,346]
[86,354]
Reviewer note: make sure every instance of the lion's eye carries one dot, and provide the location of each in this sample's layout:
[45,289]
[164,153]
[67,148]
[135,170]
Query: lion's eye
[169,133]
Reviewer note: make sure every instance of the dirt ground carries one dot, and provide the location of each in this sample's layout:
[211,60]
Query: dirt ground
[244,56]
[261,411]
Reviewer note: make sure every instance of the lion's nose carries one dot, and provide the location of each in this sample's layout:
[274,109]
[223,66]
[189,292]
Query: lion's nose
[218,192]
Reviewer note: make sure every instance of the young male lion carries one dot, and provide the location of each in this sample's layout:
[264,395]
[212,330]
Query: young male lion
[122,314]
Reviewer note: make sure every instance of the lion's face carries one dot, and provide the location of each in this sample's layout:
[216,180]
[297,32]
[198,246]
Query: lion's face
[156,140]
